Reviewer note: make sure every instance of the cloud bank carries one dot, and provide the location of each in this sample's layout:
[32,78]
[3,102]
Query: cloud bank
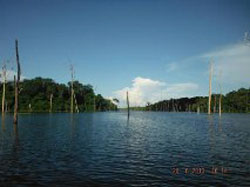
[145,90]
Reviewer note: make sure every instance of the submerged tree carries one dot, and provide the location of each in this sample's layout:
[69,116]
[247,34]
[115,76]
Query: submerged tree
[128,104]
[73,99]
[17,85]
[220,98]
[4,85]
[210,87]
[51,102]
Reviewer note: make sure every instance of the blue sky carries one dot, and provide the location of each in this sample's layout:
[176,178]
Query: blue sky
[128,45]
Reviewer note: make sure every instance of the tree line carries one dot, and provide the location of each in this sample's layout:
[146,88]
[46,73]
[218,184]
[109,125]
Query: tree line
[35,96]
[234,101]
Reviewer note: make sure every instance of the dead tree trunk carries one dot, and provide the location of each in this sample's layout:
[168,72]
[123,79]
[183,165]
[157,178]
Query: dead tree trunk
[4,83]
[72,90]
[220,98]
[220,104]
[210,88]
[15,104]
[198,109]
[51,103]
[17,85]
[128,103]
[76,105]
[176,106]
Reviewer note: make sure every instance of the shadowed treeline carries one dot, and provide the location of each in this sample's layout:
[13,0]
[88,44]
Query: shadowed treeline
[235,101]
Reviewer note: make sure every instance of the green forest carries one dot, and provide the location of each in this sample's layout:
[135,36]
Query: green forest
[235,101]
[35,97]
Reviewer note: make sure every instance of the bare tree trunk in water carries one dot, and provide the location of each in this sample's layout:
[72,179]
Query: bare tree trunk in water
[72,90]
[17,85]
[220,98]
[198,109]
[128,103]
[176,106]
[210,87]
[51,103]
[220,104]
[4,83]
[15,104]
[173,108]
[76,105]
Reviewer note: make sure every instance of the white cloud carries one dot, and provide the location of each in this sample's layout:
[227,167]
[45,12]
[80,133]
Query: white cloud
[145,90]
[111,99]
[233,61]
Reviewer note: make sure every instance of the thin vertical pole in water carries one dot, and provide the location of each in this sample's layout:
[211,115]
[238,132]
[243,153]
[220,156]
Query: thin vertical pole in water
[15,113]
[76,105]
[17,84]
[173,108]
[210,87]
[4,83]
[220,104]
[51,103]
[220,98]
[72,90]
[128,103]
[198,109]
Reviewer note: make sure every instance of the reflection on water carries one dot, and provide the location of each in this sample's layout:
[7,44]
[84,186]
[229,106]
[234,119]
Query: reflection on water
[115,149]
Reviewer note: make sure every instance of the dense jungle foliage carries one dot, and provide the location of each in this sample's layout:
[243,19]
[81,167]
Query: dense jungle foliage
[235,101]
[35,97]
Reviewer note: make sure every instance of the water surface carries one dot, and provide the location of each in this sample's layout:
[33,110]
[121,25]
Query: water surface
[108,149]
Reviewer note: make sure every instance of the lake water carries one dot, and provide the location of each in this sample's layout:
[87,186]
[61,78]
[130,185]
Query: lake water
[108,149]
